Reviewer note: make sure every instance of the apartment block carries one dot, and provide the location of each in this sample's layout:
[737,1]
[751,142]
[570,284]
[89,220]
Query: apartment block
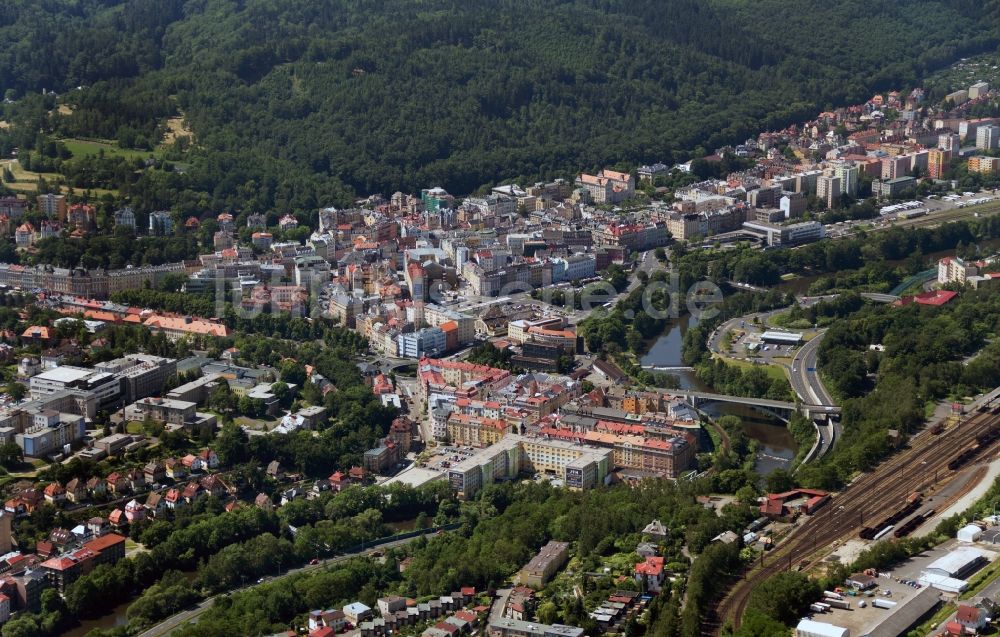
[984,165]
[828,189]
[988,137]
[580,466]
[544,565]
[476,431]
[890,188]
[140,375]
[607,186]
[937,162]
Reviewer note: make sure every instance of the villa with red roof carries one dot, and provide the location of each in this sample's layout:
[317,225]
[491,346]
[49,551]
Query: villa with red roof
[650,574]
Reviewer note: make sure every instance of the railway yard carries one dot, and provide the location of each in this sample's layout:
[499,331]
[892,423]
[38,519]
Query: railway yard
[889,499]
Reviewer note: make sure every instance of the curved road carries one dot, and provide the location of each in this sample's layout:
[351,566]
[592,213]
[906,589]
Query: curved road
[802,373]
[807,384]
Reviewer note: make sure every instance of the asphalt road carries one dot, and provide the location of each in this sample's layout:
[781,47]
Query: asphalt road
[175,621]
[807,385]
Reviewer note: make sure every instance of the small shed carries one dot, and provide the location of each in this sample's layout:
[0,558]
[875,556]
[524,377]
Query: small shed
[969,533]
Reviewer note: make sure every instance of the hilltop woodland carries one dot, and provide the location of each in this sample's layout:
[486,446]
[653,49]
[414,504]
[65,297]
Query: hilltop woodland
[292,105]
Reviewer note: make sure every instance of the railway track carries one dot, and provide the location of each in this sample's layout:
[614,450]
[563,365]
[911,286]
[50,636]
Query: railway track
[867,500]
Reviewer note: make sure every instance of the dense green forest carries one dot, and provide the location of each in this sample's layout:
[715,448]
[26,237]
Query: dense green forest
[302,102]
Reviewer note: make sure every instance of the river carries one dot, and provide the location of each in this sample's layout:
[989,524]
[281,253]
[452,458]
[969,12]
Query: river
[113,618]
[777,448]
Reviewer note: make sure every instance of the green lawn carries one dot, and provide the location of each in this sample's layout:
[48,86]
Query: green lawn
[82,148]
[773,371]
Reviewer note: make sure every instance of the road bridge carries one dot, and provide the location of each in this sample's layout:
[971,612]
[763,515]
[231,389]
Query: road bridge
[781,408]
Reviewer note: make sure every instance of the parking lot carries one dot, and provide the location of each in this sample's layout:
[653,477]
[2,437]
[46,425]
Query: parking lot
[747,343]
[925,210]
[861,621]
[446,456]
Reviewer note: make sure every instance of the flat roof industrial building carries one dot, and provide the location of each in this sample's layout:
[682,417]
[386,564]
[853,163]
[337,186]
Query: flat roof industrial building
[781,338]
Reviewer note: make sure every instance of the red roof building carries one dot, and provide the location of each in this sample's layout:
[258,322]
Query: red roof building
[934,297]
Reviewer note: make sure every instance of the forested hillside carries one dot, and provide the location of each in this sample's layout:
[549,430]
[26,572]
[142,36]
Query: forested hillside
[302,95]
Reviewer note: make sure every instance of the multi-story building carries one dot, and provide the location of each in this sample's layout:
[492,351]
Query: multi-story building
[957,270]
[544,565]
[451,380]
[429,341]
[979,89]
[105,385]
[492,205]
[166,410]
[50,432]
[12,207]
[436,315]
[890,188]
[950,142]
[958,97]
[52,206]
[775,235]
[574,268]
[988,137]
[828,189]
[141,375]
[848,174]
[125,218]
[24,236]
[651,172]
[565,339]
[436,199]
[764,197]
[984,165]
[580,466]
[161,223]
[523,277]
[665,455]
[918,162]
[792,205]
[518,330]
[937,162]
[508,627]
[262,240]
[607,186]
[476,431]
[895,167]
[683,226]
[634,237]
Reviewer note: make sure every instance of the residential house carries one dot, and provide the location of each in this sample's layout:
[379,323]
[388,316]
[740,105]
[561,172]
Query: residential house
[154,472]
[263,501]
[191,492]
[173,498]
[972,618]
[215,486]
[55,494]
[174,469]
[275,470]
[118,483]
[97,487]
[76,490]
[356,612]
[192,463]
[649,574]
[333,619]
[155,503]
[209,459]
